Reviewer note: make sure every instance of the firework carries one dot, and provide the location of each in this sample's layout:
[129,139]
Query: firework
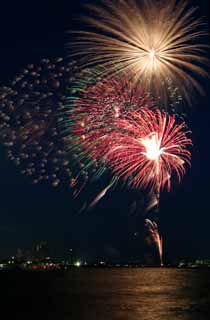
[149,41]
[90,113]
[30,109]
[113,124]
[146,148]
[93,104]
[154,237]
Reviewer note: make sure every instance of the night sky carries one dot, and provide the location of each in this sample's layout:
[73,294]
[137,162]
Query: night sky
[33,30]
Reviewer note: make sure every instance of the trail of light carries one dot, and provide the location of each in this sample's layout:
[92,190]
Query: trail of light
[101,195]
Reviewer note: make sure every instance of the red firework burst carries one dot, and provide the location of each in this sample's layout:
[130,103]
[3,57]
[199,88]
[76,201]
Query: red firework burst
[145,148]
[116,125]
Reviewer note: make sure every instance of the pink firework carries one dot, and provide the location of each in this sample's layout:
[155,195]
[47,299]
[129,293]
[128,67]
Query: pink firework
[145,149]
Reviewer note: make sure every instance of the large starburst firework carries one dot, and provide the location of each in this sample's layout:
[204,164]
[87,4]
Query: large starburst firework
[150,40]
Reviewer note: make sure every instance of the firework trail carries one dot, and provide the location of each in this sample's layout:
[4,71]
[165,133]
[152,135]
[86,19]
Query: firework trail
[153,203]
[149,40]
[145,149]
[154,237]
[101,194]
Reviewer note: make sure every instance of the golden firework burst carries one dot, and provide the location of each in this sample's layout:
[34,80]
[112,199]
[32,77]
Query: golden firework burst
[149,40]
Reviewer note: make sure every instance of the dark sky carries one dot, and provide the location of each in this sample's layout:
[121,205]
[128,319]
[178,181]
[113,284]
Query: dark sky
[30,31]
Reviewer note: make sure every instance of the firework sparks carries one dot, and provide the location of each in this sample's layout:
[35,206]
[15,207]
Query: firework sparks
[146,148]
[150,41]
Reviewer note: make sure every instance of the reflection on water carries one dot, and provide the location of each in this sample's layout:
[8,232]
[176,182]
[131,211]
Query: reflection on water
[115,294]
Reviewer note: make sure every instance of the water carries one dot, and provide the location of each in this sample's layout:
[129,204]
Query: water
[107,294]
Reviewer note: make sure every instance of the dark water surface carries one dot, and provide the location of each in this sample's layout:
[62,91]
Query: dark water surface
[106,294]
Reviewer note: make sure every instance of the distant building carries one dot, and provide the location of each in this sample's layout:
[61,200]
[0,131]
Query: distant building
[19,254]
[41,250]
[22,254]
[198,263]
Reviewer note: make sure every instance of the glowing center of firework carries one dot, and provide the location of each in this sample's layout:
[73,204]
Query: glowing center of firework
[152,146]
[152,54]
